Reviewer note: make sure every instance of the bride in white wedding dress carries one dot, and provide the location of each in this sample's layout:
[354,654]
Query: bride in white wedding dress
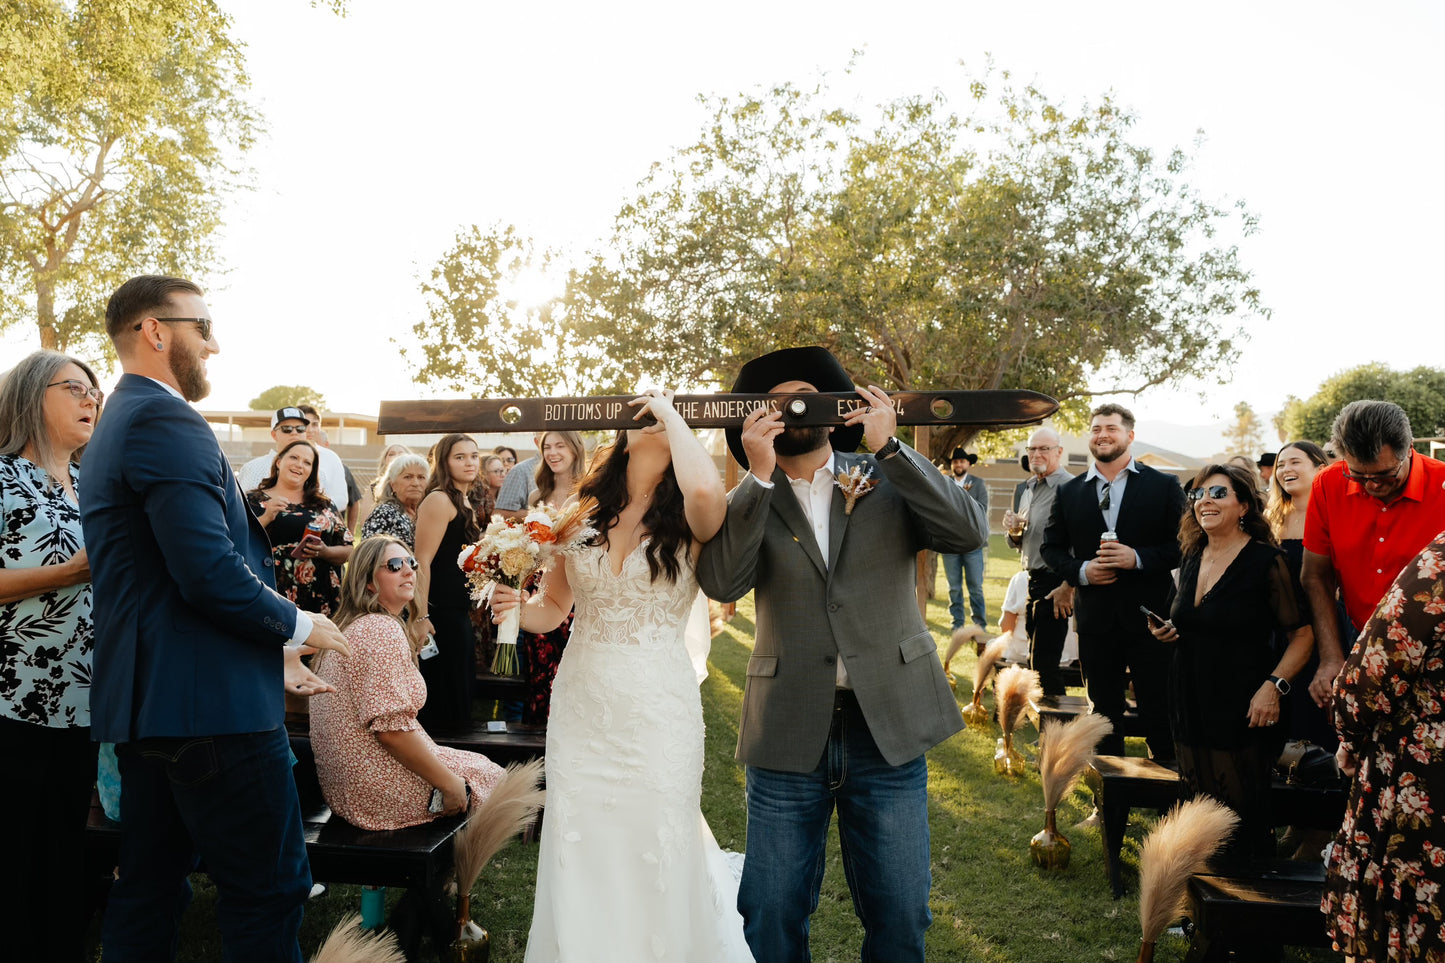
[628,870]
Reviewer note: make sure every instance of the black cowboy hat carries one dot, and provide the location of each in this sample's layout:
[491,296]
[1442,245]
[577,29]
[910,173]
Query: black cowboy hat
[972,459]
[1266,460]
[813,364]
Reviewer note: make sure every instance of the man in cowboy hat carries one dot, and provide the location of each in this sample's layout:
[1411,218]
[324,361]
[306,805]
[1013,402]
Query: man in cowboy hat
[969,565]
[844,689]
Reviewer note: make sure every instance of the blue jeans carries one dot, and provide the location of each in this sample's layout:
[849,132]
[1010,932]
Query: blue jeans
[231,801]
[883,830]
[955,569]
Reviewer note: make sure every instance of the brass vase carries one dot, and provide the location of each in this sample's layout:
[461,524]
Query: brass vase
[976,715]
[1006,760]
[473,944]
[1049,848]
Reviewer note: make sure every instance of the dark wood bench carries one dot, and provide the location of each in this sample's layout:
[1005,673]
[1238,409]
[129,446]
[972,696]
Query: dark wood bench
[1124,783]
[503,688]
[1070,707]
[1275,902]
[1073,675]
[519,743]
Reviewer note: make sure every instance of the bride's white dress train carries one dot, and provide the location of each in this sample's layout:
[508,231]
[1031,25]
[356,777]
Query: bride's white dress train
[628,869]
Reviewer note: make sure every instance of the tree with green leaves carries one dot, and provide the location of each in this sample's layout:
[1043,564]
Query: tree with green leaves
[1246,435]
[1020,244]
[120,127]
[279,396]
[1420,391]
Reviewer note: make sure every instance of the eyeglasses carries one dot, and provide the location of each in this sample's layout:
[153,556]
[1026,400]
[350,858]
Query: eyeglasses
[291,429]
[204,323]
[1040,449]
[79,389]
[1213,491]
[393,565]
[1376,476]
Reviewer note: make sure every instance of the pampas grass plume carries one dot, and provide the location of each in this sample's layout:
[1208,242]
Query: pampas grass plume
[513,803]
[1176,849]
[1015,689]
[986,663]
[347,943]
[1065,748]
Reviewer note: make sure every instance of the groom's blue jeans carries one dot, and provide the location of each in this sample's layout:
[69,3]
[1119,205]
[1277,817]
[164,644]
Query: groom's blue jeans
[883,830]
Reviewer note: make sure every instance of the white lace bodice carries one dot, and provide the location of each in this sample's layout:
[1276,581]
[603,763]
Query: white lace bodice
[629,608]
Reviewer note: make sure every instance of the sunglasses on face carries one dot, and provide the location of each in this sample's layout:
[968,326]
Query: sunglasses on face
[393,565]
[79,390]
[1213,491]
[203,323]
[291,429]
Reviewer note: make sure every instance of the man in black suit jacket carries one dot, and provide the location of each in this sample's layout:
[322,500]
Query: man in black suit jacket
[1113,578]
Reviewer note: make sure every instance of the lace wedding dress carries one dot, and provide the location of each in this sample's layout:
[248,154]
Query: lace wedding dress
[628,869]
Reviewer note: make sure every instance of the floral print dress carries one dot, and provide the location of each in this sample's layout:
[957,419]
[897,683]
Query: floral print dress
[314,584]
[1386,867]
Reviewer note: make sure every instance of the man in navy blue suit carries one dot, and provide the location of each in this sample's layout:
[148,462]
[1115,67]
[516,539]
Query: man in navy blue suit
[193,648]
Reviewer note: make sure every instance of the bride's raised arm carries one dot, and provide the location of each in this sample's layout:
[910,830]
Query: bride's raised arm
[703,497]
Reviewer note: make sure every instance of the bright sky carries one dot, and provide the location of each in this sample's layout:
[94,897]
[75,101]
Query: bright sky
[395,127]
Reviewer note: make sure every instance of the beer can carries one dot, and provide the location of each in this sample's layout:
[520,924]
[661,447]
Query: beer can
[1108,537]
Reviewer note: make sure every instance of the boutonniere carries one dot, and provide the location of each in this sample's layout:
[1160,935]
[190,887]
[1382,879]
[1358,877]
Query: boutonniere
[855,483]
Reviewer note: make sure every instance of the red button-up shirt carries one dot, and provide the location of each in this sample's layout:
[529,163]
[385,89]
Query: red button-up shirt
[1367,541]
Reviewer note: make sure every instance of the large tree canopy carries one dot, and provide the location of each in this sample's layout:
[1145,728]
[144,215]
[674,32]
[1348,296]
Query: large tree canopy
[1420,391]
[1019,245]
[120,122]
[279,396]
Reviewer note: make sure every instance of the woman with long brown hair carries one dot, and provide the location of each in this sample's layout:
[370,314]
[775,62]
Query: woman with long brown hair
[1227,678]
[446,521]
[560,470]
[625,739]
[309,538]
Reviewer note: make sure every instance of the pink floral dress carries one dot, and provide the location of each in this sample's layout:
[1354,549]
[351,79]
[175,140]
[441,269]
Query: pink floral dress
[1386,867]
[378,689]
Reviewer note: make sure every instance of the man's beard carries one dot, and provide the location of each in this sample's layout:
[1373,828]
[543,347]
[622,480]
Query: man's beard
[1112,456]
[957,473]
[189,373]
[800,441]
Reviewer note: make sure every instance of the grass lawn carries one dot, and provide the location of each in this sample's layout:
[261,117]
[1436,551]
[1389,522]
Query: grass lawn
[989,902]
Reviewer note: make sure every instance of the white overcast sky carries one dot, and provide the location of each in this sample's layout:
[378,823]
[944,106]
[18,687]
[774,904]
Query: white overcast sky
[394,127]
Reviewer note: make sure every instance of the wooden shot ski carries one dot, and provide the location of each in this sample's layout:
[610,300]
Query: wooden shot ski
[976,408]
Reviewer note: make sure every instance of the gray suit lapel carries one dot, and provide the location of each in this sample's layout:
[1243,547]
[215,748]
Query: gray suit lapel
[838,516]
[785,503]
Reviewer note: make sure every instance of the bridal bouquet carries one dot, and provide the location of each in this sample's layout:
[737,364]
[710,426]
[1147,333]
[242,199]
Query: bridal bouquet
[510,551]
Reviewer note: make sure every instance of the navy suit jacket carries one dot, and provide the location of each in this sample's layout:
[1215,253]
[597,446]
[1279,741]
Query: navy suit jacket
[1148,522]
[189,628]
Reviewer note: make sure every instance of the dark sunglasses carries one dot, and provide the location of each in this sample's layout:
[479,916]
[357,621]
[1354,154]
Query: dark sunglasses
[1213,491]
[393,565]
[291,429]
[203,323]
[79,389]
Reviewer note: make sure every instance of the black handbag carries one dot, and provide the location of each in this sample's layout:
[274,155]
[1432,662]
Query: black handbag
[1306,764]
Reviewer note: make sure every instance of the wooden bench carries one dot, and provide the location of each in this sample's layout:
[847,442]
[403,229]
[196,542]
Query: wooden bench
[1275,902]
[503,688]
[1070,707]
[519,743]
[1073,674]
[1124,783]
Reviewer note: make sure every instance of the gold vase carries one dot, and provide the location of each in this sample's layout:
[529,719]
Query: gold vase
[1049,848]
[1006,760]
[473,944]
[976,715]
[1146,951]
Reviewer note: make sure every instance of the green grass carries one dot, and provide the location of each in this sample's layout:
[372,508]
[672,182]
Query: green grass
[989,902]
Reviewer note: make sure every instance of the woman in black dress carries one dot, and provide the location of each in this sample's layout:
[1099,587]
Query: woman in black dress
[309,538]
[1228,677]
[446,521]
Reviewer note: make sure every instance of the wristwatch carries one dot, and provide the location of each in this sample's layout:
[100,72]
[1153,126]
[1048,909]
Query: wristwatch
[1281,684]
[889,449]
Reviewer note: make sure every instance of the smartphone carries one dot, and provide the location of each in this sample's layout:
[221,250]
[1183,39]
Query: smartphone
[300,550]
[434,805]
[1154,617]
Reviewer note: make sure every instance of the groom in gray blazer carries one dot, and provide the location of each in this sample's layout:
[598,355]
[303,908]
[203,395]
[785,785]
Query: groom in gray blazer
[844,689]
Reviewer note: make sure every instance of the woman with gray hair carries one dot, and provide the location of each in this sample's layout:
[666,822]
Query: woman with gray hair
[398,495]
[49,404]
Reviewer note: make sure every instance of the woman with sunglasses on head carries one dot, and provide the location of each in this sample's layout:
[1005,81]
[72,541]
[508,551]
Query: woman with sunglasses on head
[377,767]
[1228,678]
[49,404]
[309,538]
